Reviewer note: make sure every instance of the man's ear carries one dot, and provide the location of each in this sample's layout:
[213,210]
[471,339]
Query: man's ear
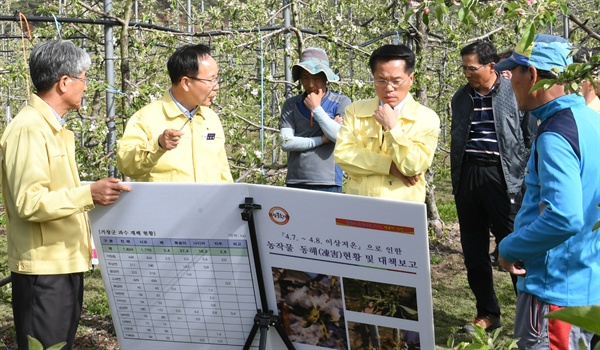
[185,83]
[62,83]
[533,73]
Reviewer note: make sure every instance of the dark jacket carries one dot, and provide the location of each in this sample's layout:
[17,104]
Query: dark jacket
[515,131]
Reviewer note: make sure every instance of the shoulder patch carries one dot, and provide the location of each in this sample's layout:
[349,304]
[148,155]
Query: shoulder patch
[562,123]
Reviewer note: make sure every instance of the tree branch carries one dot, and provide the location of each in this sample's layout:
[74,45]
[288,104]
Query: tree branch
[102,13]
[485,36]
[583,26]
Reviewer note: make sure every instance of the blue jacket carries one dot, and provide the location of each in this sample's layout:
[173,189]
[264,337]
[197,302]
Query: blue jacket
[553,234]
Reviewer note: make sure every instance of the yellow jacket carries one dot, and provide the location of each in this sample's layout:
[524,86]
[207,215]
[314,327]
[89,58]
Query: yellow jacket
[199,157]
[365,152]
[47,228]
[595,104]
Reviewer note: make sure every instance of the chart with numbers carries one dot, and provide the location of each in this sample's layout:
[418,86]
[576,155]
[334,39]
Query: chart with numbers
[183,290]
[178,275]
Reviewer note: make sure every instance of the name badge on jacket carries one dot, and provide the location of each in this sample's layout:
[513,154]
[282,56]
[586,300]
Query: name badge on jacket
[210,136]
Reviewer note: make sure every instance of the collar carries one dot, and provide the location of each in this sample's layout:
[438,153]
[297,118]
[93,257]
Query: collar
[60,119]
[495,88]
[47,112]
[548,109]
[188,114]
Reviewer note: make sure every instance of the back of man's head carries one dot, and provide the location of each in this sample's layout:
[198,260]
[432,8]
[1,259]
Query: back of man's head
[485,50]
[391,52]
[184,61]
[50,60]
[584,54]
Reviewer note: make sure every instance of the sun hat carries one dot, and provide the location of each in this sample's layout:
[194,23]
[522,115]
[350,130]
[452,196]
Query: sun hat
[544,53]
[314,61]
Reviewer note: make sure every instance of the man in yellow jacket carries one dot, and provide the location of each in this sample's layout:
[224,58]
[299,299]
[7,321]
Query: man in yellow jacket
[386,144]
[179,138]
[48,237]
[586,88]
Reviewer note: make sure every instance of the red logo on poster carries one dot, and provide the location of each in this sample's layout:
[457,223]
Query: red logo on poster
[279,215]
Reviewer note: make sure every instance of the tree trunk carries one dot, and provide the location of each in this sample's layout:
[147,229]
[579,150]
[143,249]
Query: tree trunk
[436,225]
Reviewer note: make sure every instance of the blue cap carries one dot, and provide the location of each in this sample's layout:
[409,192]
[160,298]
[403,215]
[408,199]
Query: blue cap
[544,53]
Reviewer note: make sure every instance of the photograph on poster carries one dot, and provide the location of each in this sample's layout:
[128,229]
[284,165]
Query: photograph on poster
[365,336]
[381,299]
[311,307]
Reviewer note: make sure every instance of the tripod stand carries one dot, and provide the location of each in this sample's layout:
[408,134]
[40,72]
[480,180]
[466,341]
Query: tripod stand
[264,317]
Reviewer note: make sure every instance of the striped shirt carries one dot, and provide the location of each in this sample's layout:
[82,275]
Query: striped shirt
[482,141]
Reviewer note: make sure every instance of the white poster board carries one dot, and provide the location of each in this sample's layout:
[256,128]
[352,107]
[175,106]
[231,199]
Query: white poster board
[341,271]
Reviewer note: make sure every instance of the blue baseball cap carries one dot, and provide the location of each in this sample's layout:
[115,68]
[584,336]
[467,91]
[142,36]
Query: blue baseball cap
[314,61]
[544,53]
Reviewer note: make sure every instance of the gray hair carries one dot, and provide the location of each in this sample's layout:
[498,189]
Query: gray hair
[50,60]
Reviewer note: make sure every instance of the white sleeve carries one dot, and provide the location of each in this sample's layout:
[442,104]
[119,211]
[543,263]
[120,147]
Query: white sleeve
[289,142]
[329,126]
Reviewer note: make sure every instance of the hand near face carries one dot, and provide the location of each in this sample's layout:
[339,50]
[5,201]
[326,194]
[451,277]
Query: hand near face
[386,116]
[407,180]
[169,139]
[107,191]
[313,100]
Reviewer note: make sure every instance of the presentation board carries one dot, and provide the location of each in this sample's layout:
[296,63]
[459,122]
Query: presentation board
[340,271]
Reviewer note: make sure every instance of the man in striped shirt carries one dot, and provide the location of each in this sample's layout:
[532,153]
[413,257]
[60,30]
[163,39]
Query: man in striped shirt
[490,146]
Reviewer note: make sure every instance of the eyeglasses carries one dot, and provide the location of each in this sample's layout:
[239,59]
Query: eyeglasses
[83,80]
[209,82]
[384,83]
[473,69]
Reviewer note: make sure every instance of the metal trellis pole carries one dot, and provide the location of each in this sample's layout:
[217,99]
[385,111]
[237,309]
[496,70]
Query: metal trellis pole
[288,44]
[111,138]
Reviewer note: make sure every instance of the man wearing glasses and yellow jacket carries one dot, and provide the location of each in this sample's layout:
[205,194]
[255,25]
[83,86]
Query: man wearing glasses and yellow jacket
[386,144]
[179,138]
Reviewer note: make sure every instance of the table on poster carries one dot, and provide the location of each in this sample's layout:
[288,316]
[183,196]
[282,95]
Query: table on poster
[182,290]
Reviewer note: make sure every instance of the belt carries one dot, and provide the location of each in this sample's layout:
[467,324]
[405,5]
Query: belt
[481,161]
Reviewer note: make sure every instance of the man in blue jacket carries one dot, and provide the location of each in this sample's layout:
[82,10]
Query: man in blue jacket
[553,249]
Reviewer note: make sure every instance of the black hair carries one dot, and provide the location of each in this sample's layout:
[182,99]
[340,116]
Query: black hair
[184,61]
[390,52]
[504,55]
[485,50]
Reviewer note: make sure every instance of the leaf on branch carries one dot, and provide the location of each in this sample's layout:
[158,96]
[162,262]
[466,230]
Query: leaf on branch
[544,83]
[527,38]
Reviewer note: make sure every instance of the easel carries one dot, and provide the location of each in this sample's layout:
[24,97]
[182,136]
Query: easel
[264,317]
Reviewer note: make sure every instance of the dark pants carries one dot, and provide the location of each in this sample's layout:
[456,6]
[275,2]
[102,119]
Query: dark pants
[324,188]
[47,308]
[483,205]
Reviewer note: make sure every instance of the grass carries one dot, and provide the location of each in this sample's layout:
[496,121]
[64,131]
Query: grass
[454,304]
